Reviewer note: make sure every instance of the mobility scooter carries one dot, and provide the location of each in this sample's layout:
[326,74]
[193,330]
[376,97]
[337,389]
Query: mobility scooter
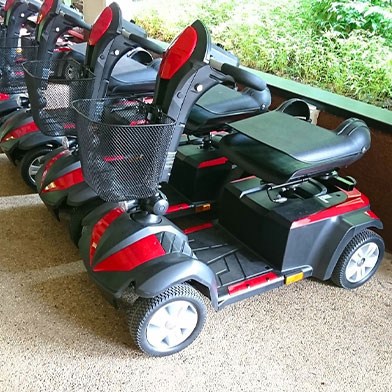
[60,180]
[15,50]
[20,136]
[294,217]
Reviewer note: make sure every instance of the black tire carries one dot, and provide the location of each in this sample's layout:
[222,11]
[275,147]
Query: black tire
[339,275]
[36,155]
[76,218]
[144,309]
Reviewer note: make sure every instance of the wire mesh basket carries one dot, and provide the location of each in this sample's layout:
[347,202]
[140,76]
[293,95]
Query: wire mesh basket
[13,53]
[123,146]
[52,87]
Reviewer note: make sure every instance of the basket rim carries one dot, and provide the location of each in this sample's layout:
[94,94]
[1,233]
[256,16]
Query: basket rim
[91,76]
[172,122]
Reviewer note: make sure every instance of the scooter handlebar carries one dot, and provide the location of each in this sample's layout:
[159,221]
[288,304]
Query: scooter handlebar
[34,5]
[145,43]
[76,20]
[239,75]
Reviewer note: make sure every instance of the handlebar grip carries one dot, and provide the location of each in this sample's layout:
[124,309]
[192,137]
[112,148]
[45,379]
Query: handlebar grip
[145,43]
[78,22]
[244,77]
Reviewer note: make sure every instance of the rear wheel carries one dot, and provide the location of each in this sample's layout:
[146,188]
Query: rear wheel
[359,260]
[31,163]
[169,322]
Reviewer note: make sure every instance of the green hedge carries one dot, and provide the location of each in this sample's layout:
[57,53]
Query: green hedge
[286,38]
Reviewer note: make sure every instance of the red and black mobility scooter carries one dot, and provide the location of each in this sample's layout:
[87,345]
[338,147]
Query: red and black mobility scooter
[291,218]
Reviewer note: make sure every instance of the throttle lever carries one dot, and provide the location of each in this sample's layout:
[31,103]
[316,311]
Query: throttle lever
[145,43]
[239,75]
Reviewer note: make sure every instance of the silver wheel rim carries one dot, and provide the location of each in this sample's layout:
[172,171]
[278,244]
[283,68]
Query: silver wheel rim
[35,166]
[362,262]
[171,325]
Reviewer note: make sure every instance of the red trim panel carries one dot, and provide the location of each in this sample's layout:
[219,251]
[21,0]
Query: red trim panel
[100,227]
[133,255]
[4,97]
[51,162]
[194,229]
[178,53]
[101,26]
[252,283]
[356,200]
[45,8]
[66,181]
[8,5]
[178,207]
[21,131]
[213,162]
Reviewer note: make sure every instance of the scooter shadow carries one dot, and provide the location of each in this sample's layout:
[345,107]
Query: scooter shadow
[85,315]
[32,239]
[11,183]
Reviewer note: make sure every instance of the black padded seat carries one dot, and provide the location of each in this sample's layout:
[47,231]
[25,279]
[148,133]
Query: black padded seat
[280,148]
[128,77]
[131,76]
[222,104]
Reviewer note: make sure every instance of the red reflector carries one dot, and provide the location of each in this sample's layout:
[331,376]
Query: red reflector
[44,11]
[66,181]
[194,229]
[101,25]
[251,283]
[76,34]
[21,131]
[351,204]
[178,207]
[62,49]
[178,53]
[213,162]
[8,5]
[4,97]
[100,227]
[133,255]
[51,162]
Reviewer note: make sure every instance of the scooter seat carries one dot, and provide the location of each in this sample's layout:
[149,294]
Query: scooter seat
[280,148]
[141,78]
[128,76]
[223,104]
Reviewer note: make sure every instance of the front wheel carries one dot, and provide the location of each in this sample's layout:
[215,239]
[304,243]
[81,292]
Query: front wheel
[31,163]
[169,322]
[359,260]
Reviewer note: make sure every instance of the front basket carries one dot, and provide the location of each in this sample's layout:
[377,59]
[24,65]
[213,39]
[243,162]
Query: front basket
[52,87]
[123,146]
[13,53]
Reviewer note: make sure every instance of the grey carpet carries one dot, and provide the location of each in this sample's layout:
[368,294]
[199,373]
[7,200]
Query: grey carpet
[58,334]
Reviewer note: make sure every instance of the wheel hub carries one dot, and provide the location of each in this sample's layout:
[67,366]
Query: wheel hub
[362,262]
[171,325]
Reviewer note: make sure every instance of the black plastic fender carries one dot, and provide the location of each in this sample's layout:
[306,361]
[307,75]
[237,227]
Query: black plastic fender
[349,227]
[151,284]
[81,194]
[36,139]
[10,105]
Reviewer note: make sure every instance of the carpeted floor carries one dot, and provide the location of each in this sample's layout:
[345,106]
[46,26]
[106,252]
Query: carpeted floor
[58,334]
